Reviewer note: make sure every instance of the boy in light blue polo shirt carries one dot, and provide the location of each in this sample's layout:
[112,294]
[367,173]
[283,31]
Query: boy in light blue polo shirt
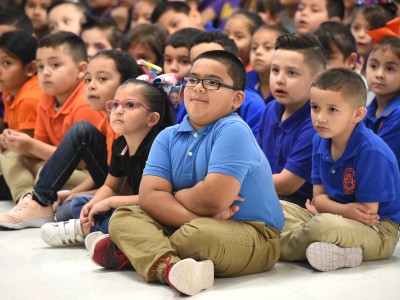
[286,132]
[355,212]
[207,201]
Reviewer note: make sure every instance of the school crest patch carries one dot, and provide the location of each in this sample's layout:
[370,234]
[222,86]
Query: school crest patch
[349,181]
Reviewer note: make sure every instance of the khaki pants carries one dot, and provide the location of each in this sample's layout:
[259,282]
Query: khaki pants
[301,229]
[236,248]
[21,172]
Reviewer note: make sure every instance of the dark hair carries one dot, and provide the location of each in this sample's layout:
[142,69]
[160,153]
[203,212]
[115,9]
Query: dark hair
[391,43]
[336,33]
[335,8]
[375,15]
[113,33]
[74,44]
[254,20]
[271,6]
[156,99]
[17,18]
[347,82]
[306,44]
[215,37]
[125,64]
[56,3]
[181,38]
[235,67]
[149,34]
[20,45]
[164,7]
[279,28]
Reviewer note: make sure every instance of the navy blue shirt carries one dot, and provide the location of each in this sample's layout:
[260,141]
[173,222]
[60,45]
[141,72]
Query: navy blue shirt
[253,83]
[387,124]
[288,144]
[366,172]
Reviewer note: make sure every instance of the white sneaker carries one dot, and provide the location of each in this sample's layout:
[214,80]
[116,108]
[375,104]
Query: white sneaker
[62,233]
[328,257]
[89,240]
[189,276]
[27,213]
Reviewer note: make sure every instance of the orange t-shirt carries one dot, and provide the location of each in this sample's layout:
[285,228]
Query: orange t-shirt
[20,112]
[51,125]
[105,128]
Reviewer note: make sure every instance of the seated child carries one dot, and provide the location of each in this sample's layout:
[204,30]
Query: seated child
[383,73]
[354,215]
[268,10]
[61,62]
[141,11]
[286,131]
[66,16]
[311,13]
[339,45]
[36,10]
[138,112]
[187,226]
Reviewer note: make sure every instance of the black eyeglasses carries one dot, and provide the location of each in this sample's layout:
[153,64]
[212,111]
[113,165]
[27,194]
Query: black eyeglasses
[126,104]
[208,84]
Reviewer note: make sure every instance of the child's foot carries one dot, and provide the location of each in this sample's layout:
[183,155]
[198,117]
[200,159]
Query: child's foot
[91,237]
[328,257]
[27,213]
[107,255]
[189,276]
[62,233]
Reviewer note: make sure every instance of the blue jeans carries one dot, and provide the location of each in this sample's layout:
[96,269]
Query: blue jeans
[101,221]
[82,141]
[63,212]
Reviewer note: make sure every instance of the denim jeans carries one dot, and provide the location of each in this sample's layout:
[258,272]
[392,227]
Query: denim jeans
[101,221]
[82,141]
[63,212]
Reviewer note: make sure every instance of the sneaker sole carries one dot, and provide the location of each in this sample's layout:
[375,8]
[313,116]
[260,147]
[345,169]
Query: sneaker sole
[190,277]
[91,238]
[37,223]
[328,257]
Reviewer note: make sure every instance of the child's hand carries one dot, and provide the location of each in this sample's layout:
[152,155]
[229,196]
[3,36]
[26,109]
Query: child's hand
[311,207]
[229,212]
[3,142]
[361,213]
[17,141]
[85,210]
[97,209]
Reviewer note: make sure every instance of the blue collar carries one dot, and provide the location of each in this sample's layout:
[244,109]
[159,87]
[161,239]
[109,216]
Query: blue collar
[294,120]
[393,104]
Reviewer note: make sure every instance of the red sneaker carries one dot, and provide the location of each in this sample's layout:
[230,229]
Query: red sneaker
[107,255]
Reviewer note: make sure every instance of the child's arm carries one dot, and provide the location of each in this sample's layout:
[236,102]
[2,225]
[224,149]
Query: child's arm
[363,212]
[286,182]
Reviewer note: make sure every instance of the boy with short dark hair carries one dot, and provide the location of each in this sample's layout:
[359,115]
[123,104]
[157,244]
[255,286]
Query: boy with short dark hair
[207,202]
[61,63]
[355,211]
[286,132]
[66,16]
[339,45]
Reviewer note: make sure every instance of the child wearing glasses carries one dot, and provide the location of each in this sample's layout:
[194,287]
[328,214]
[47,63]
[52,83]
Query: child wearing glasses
[138,113]
[207,201]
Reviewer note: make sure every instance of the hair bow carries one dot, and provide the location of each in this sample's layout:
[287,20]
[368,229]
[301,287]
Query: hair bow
[392,29]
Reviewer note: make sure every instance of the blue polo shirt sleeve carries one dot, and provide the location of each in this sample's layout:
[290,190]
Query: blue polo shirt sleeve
[316,161]
[389,130]
[232,152]
[252,109]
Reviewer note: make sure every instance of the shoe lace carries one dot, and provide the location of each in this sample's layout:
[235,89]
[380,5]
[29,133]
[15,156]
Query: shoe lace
[122,258]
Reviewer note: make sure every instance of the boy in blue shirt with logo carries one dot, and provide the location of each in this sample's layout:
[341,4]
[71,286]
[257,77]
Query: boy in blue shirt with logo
[286,131]
[355,212]
[207,202]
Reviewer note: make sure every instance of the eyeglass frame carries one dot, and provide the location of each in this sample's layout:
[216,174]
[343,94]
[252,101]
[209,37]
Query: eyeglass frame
[184,83]
[136,104]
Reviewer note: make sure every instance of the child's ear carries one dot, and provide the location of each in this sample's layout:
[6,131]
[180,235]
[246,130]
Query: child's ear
[154,118]
[238,100]
[360,114]
[82,69]
[351,61]
[31,68]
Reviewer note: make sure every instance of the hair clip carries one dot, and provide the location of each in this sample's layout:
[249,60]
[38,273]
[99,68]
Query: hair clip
[149,69]
[170,84]
[391,29]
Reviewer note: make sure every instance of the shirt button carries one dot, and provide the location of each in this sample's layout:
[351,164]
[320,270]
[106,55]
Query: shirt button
[190,153]
[195,134]
[333,171]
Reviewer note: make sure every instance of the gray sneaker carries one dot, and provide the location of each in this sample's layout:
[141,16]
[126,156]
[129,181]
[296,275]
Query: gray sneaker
[328,257]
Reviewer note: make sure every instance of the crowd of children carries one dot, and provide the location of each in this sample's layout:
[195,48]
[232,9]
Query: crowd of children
[271,134]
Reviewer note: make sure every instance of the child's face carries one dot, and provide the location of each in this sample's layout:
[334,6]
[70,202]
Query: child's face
[359,29]
[176,60]
[142,51]
[13,74]
[128,122]
[95,40]
[36,11]
[206,106]
[383,73]
[310,14]
[262,50]
[289,2]
[331,115]
[101,80]
[237,29]
[172,21]
[65,17]
[196,50]
[336,59]
[59,74]
[141,13]
[101,4]
[290,79]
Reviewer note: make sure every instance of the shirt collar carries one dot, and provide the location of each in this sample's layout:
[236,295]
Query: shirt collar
[294,120]
[393,104]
